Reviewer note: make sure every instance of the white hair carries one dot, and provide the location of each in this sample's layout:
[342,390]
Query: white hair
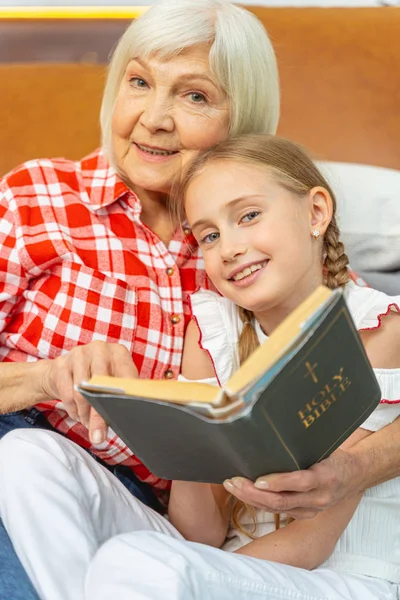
[242,59]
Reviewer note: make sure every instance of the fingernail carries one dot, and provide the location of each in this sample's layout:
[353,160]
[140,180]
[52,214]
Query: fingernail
[237,482]
[228,485]
[261,484]
[97,436]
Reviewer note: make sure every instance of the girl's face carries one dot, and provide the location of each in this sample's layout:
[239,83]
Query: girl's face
[165,112]
[256,237]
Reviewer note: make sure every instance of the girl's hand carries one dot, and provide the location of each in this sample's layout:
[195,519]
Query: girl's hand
[61,374]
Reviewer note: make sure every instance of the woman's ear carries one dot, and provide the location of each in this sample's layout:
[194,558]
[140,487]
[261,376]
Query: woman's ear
[321,209]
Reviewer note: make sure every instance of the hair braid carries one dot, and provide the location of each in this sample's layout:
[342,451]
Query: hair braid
[248,340]
[247,343]
[336,260]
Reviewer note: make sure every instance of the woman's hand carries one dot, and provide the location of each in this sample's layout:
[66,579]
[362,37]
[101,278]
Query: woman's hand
[61,374]
[304,494]
[301,494]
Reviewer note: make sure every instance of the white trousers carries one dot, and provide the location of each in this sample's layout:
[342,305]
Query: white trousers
[81,535]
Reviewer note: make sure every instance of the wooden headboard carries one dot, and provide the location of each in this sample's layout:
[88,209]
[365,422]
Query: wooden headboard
[340,79]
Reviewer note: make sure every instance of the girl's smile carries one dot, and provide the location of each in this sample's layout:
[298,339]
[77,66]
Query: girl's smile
[247,274]
[255,236]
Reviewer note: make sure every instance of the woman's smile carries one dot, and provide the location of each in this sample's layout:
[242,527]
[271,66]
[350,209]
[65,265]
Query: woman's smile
[153,153]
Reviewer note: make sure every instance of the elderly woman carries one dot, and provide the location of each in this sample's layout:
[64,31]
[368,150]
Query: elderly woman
[95,275]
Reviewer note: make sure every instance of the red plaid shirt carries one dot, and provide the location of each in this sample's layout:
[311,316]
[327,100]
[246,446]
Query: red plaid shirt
[77,265]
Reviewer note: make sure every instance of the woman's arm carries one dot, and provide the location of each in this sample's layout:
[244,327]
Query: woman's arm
[200,511]
[23,385]
[303,494]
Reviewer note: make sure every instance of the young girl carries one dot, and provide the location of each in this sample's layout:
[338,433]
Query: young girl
[264,218]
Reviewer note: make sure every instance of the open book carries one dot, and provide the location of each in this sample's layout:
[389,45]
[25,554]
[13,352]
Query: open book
[293,402]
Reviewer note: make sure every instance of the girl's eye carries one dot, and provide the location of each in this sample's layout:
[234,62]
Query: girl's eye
[138,82]
[197,97]
[210,238]
[250,216]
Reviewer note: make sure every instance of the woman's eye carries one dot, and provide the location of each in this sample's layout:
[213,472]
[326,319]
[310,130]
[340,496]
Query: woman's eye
[250,216]
[210,238]
[197,97]
[138,82]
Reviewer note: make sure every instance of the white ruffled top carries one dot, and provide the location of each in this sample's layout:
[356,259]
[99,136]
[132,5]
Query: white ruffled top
[378,513]
[220,326]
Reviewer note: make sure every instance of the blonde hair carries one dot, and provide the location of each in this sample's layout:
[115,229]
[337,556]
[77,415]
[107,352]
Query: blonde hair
[292,168]
[241,58]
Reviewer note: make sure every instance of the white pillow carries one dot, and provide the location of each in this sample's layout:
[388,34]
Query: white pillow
[368,213]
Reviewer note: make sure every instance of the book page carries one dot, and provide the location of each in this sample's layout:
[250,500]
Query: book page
[181,392]
[274,347]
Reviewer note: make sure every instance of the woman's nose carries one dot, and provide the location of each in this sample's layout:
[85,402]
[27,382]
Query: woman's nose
[157,114]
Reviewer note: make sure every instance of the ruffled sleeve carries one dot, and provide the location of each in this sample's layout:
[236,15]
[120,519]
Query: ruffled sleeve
[368,307]
[389,408]
[209,380]
[220,327]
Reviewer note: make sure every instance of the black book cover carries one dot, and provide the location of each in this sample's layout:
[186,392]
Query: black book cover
[308,408]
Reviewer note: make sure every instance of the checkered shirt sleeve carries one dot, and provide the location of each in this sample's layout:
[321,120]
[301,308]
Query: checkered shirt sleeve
[78,265]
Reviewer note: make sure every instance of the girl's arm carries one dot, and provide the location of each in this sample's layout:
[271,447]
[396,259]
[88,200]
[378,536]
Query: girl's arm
[308,543]
[200,511]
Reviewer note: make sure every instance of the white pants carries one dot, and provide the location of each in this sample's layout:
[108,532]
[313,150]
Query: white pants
[81,535]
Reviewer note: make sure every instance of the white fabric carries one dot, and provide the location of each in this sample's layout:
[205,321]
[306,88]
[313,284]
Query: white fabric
[209,380]
[62,510]
[220,327]
[59,506]
[378,513]
[152,566]
[368,214]
[370,543]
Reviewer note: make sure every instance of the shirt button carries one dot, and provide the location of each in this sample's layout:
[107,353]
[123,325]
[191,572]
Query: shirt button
[175,319]
[169,374]
[170,271]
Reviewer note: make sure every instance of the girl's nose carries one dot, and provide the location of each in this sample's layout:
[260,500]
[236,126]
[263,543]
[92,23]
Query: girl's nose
[230,251]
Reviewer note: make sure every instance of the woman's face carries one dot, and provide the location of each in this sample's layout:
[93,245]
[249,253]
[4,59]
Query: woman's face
[165,112]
